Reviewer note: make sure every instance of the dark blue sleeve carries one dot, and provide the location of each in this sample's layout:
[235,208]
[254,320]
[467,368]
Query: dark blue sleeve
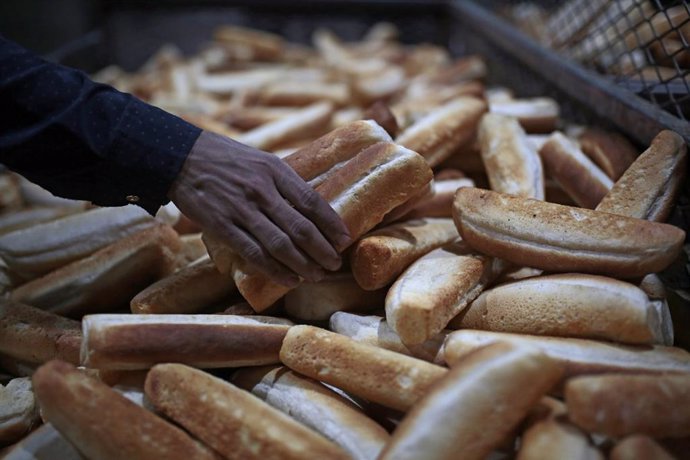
[85,140]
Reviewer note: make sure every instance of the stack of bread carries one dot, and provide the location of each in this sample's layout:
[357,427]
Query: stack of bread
[500,298]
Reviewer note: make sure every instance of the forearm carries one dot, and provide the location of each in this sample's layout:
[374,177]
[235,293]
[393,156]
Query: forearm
[86,140]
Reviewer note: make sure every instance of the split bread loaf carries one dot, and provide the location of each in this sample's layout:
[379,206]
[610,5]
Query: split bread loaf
[621,405]
[381,376]
[335,292]
[128,342]
[30,217]
[374,330]
[380,256]
[233,422]
[439,203]
[316,406]
[437,135]
[561,238]
[612,152]
[108,278]
[471,410]
[581,179]
[34,251]
[571,305]
[189,290]
[536,115]
[105,425]
[579,356]
[35,336]
[649,187]
[435,288]
[512,164]
[377,180]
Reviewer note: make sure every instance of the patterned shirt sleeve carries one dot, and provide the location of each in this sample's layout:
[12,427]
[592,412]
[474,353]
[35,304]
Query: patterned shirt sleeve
[85,140]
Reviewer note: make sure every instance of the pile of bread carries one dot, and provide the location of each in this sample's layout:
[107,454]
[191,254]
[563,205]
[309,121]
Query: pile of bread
[500,298]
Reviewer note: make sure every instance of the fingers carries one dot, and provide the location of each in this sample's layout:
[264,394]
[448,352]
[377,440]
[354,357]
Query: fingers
[314,208]
[303,233]
[253,253]
[281,247]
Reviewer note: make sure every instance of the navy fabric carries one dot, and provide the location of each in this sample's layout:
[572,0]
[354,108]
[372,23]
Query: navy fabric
[85,140]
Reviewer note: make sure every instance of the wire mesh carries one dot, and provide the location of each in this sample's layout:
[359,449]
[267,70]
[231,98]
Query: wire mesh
[642,45]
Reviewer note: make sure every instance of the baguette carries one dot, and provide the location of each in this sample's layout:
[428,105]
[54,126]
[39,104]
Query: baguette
[377,180]
[561,238]
[296,93]
[440,202]
[511,163]
[470,411]
[612,152]
[18,410]
[316,406]
[553,438]
[574,171]
[437,135]
[621,405]
[34,251]
[189,290]
[379,257]
[570,305]
[309,120]
[436,288]
[233,422]
[579,356]
[336,292]
[108,278]
[105,425]
[35,336]
[129,342]
[33,216]
[537,115]
[649,188]
[639,447]
[378,375]
[375,331]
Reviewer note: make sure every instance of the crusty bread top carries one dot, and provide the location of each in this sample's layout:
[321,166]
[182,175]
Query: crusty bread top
[612,152]
[339,145]
[647,190]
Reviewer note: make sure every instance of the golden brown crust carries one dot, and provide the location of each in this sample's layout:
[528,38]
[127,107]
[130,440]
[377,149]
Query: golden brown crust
[437,135]
[553,438]
[141,341]
[436,288]
[36,336]
[612,152]
[379,257]
[567,305]
[649,188]
[573,171]
[579,356]
[621,405]
[188,290]
[232,421]
[536,115]
[104,424]
[316,406]
[472,409]
[562,238]
[378,375]
[108,278]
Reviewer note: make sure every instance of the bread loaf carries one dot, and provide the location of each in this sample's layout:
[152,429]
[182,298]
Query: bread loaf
[639,447]
[470,411]
[553,438]
[316,406]
[536,115]
[233,422]
[621,405]
[570,305]
[378,375]
[439,203]
[579,356]
[612,152]
[103,424]
[18,410]
[561,238]
[126,342]
[380,256]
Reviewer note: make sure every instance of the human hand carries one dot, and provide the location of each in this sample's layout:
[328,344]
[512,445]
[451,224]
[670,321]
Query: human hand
[261,208]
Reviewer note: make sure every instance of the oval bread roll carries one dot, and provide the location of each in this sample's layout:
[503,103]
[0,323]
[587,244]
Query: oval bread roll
[570,305]
[562,238]
[470,411]
[612,152]
[553,438]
